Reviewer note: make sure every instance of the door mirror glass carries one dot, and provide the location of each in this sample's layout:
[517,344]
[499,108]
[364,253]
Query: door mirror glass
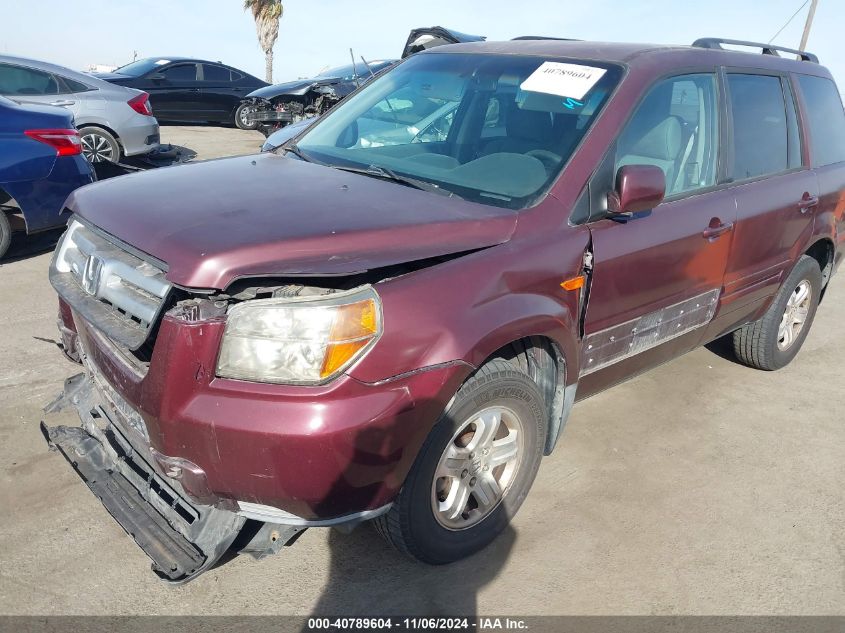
[349,136]
[638,188]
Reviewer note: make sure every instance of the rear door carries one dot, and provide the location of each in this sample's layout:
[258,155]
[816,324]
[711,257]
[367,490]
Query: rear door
[776,194]
[220,95]
[657,277]
[825,126]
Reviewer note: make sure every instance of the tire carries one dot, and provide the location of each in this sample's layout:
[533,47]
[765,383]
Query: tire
[413,525]
[5,233]
[99,146]
[767,344]
[240,112]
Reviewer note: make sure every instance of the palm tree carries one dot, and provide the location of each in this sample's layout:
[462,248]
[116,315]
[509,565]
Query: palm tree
[267,14]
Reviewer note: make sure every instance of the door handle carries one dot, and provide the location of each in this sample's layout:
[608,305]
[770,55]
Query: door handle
[808,201]
[62,102]
[193,89]
[716,228]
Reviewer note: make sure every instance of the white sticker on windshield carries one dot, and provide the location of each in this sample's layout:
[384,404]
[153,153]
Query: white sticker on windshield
[162,62]
[564,80]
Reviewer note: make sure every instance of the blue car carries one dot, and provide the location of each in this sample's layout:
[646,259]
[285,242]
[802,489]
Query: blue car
[41,162]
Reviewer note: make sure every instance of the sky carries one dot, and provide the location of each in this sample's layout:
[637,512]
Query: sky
[316,34]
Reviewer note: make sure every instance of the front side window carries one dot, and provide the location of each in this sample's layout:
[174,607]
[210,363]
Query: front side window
[825,119]
[760,128]
[20,81]
[495,129]
[676,128]
[181,73]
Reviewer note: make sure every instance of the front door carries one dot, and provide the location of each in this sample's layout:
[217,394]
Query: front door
[657,277]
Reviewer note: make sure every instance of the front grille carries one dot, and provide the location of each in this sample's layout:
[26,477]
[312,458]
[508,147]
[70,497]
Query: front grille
[269,115]
[116,291]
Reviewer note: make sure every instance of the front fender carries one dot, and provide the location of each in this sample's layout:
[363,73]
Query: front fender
[469,307]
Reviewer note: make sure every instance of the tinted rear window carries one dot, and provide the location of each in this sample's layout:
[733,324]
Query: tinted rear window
[760,138]
[825,118]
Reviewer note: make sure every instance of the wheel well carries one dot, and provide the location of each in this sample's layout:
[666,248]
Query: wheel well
[823,251]
[10,207]
[102,127]
[541,359]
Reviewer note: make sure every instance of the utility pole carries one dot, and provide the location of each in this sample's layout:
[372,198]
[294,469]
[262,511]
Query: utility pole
[807,25]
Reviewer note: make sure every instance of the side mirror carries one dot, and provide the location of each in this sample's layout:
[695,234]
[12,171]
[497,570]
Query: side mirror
[349,136]
[156,77]
[638,188]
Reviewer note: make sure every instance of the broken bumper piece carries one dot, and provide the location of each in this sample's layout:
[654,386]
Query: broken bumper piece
[183,538]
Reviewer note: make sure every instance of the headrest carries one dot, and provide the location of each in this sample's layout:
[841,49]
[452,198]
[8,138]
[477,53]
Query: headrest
[529,124]
[662,142]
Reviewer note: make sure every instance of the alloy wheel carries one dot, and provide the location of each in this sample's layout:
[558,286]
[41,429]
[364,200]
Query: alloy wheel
[477,468]
[795,315]
[97,149]
[244,115]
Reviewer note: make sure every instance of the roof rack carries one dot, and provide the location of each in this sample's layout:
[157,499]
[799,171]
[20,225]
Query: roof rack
[767,49]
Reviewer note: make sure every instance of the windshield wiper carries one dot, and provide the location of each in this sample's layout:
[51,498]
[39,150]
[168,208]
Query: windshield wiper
[385,173]
[294,149]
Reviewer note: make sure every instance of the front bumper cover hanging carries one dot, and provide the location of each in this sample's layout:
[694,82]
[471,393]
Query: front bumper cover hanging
[183,538]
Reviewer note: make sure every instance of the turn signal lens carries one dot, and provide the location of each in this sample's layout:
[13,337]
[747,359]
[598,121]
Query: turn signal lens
[573,284]
[355,325]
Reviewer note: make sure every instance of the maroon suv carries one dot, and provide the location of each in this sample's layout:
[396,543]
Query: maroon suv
[391,318]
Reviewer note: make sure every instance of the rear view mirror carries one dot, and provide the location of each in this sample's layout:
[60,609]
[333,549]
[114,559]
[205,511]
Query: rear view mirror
[638,188]
[157,77]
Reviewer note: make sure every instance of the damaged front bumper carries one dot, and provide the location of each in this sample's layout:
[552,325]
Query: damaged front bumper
[183,538]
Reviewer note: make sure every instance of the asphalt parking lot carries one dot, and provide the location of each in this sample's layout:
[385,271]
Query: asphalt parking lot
[702,487]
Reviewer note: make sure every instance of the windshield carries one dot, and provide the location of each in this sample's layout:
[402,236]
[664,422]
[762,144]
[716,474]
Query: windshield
[142,66]
[495,129]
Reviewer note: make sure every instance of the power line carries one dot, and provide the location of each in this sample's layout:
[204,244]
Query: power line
[788,21]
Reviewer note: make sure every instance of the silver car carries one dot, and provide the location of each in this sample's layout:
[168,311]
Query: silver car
[113,121]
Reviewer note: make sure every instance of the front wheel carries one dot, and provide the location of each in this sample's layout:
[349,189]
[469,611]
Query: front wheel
[774,340]
[242,114]
[474,470]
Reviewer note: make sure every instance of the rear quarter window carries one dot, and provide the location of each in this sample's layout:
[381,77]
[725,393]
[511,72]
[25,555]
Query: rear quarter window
[825,120]
[74,86]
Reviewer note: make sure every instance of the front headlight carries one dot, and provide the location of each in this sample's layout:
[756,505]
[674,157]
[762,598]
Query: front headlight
[301,340]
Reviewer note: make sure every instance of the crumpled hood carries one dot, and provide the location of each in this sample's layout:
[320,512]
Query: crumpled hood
[264,215]
[297,87]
